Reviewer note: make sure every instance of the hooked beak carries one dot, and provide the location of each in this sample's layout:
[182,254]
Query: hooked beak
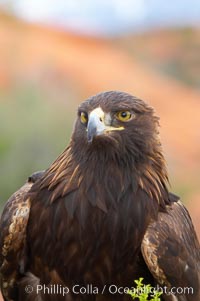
[97,124]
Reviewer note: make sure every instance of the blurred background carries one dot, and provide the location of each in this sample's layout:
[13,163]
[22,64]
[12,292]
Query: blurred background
[54,54]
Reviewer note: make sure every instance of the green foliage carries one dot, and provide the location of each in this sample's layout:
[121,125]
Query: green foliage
[34,130]
[143,292]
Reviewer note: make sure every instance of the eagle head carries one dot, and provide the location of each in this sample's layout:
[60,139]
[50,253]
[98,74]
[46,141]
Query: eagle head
[117,120]
[115,137]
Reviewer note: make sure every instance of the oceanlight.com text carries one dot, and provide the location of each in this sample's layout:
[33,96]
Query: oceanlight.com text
[90,289]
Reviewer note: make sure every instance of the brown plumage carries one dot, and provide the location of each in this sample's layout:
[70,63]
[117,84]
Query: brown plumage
[101,214]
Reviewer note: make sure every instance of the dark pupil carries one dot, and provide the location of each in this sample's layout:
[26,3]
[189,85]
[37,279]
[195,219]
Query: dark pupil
[123,114]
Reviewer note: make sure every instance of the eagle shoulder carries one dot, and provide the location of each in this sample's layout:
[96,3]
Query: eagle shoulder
[13,224]
[171,251]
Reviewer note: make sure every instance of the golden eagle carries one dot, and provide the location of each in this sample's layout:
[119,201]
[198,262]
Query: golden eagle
[101,215]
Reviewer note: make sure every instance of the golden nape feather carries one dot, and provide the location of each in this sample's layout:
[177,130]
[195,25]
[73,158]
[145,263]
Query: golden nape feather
[101,215]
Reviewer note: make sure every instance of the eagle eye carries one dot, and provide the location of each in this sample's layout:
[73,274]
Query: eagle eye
[123,115]
[84,117]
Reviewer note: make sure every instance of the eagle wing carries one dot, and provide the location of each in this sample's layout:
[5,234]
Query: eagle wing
[172,253]
[13,224]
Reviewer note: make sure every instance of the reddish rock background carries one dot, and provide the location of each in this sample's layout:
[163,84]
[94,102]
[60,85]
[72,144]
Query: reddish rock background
[92,65]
